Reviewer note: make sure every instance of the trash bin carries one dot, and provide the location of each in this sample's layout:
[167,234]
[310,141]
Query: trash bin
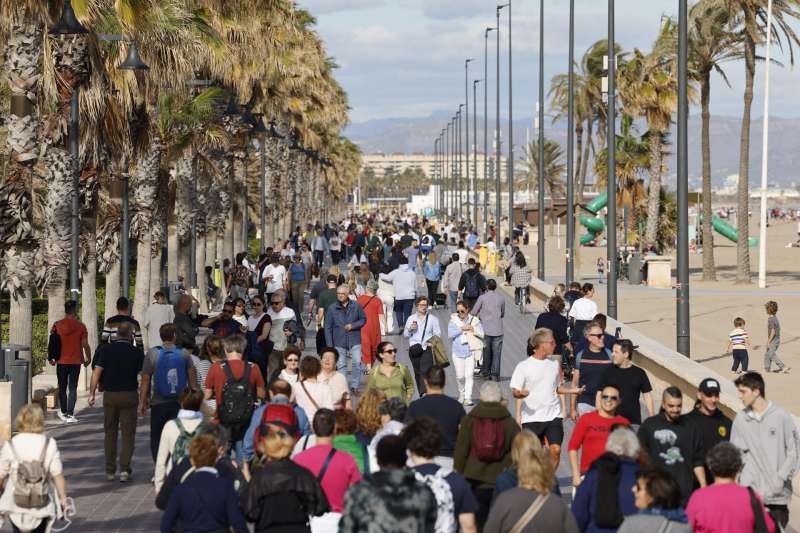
[635,269]
[20,392]
[8,354]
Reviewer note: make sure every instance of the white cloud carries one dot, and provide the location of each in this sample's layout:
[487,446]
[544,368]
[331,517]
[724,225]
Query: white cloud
[322,7]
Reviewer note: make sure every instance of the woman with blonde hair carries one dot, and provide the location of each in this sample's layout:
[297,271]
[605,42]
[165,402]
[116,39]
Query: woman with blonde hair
[369,416]
[31,446]
[530,506]
[281,494]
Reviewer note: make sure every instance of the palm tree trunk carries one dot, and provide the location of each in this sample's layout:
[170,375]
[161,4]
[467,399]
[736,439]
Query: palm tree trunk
[56,297]
[220,246]
[89,284]
[742,188]
[141,298]
[709,269]
[654,190]
[155,270]
[113,280]
[200,262]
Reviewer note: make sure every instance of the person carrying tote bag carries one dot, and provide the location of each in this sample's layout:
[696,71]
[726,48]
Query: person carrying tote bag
[465,334]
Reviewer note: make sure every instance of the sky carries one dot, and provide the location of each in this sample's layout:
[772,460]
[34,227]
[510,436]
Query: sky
[405,58]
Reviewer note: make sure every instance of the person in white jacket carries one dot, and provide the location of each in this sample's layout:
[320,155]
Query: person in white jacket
[188,420]
[157,314]
[404,281]
[466,336]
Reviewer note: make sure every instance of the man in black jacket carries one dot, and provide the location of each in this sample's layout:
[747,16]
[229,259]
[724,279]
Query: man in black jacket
[472,283]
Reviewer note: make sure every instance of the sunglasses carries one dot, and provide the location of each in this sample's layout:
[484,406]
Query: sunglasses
[610,398]
[226,310]
[389,351]
[598,335]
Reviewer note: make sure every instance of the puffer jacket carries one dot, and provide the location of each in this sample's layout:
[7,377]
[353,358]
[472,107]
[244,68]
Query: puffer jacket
[465,462]
[281,496]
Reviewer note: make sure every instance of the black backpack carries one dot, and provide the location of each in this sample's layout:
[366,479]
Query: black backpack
[472,286]
[54,345]
[237,404]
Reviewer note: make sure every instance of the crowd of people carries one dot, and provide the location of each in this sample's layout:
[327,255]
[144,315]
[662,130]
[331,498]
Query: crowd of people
[250,430]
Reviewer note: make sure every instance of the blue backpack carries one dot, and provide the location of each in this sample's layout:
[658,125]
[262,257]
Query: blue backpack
[169,379]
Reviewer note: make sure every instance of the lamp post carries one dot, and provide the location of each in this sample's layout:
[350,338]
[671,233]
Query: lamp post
[474,152]
[498,165]
[762,233]
[460,160]
[540,244]
[682,288]
[68,24]
[570,267]
[261,129]
[449,153]
[611,222]
[466,117]
[132,62]
[486,134]
[510,134]
[442,149]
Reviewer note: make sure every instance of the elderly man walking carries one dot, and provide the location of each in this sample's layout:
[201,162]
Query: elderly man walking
[491,309]
[343,323]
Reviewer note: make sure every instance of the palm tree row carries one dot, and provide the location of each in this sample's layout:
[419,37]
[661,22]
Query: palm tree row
[183,133]
[720,31]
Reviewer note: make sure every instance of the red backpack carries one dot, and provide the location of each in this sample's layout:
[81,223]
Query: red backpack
[279,414]
[488,439]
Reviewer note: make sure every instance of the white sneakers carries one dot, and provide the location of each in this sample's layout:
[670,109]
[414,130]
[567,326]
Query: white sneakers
[67,419]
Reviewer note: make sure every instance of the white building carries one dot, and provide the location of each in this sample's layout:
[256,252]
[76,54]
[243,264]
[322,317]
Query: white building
[398,162]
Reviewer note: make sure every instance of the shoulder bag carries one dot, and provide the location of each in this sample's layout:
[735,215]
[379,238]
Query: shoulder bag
[530,514]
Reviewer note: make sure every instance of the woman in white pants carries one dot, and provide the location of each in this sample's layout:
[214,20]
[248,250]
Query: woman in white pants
[466,336]
[386,294]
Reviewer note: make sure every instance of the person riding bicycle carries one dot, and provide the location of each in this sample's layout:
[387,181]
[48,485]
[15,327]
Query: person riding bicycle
[521,275]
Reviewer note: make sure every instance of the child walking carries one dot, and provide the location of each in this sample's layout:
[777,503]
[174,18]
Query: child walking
[738,342]
[773,339]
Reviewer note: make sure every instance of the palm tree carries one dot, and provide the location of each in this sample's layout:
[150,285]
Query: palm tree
[711,43]
[649,88]
[554,169]
[749,17]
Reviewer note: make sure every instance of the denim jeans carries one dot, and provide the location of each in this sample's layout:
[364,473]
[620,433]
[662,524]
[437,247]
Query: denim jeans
[67,387]
[403,310]
[453,300]
[355,356]
[492,348]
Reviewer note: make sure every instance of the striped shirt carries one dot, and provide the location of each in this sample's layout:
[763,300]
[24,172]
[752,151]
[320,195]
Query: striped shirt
[738,339]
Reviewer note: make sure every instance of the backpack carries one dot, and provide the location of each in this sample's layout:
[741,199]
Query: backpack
[445,505]
[169,378]
[488,439]
[181,448]
[472,288]
[54,345]
[236,406]
[279,414]
[32,484]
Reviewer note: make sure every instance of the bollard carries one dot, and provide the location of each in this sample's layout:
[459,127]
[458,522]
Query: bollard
[20,395]
[4,355]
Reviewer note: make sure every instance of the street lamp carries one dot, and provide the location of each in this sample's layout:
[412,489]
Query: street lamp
[68,24]
[475,153]
[540,244]
[449,154]
[261,130]
[459,168]
[466,111]
[611,221]
[682,287]
[510,135]
[486,134]
[498,159]
[762,233]
[570,270]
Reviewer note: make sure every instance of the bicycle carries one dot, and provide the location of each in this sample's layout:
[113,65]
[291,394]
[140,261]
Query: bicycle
[522,299]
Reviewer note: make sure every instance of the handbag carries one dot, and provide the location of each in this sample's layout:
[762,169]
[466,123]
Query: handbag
[530,514]
[417,350]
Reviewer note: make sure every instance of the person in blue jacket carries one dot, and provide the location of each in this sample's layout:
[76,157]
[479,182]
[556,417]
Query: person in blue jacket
[204,501]
[605,496]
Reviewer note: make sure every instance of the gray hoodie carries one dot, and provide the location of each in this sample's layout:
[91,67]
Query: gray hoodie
[770,450]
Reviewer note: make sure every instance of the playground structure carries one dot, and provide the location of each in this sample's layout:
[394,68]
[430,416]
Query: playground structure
[595,225]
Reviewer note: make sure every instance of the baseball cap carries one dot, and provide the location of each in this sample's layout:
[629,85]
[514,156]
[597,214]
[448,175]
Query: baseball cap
[332,278]
[709,387]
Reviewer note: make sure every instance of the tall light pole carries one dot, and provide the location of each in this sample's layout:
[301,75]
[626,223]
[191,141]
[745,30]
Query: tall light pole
[435,174]
[486,134]
[510,134]
[460,155]
[611,222]
[474,152]
[682,288]
[466,116]
[540,244]
[762,233]
[449,170]
[498,157]
[442,196]
[570,270]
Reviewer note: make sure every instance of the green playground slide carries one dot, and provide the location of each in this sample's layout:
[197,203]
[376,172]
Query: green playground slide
[728,231]
[594,225]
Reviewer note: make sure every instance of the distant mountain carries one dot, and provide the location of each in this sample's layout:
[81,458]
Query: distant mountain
[408,135]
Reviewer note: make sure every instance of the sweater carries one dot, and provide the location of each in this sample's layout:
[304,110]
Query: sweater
[169,437]
[584,503]
[204,502]
[465,462]
[512,504]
